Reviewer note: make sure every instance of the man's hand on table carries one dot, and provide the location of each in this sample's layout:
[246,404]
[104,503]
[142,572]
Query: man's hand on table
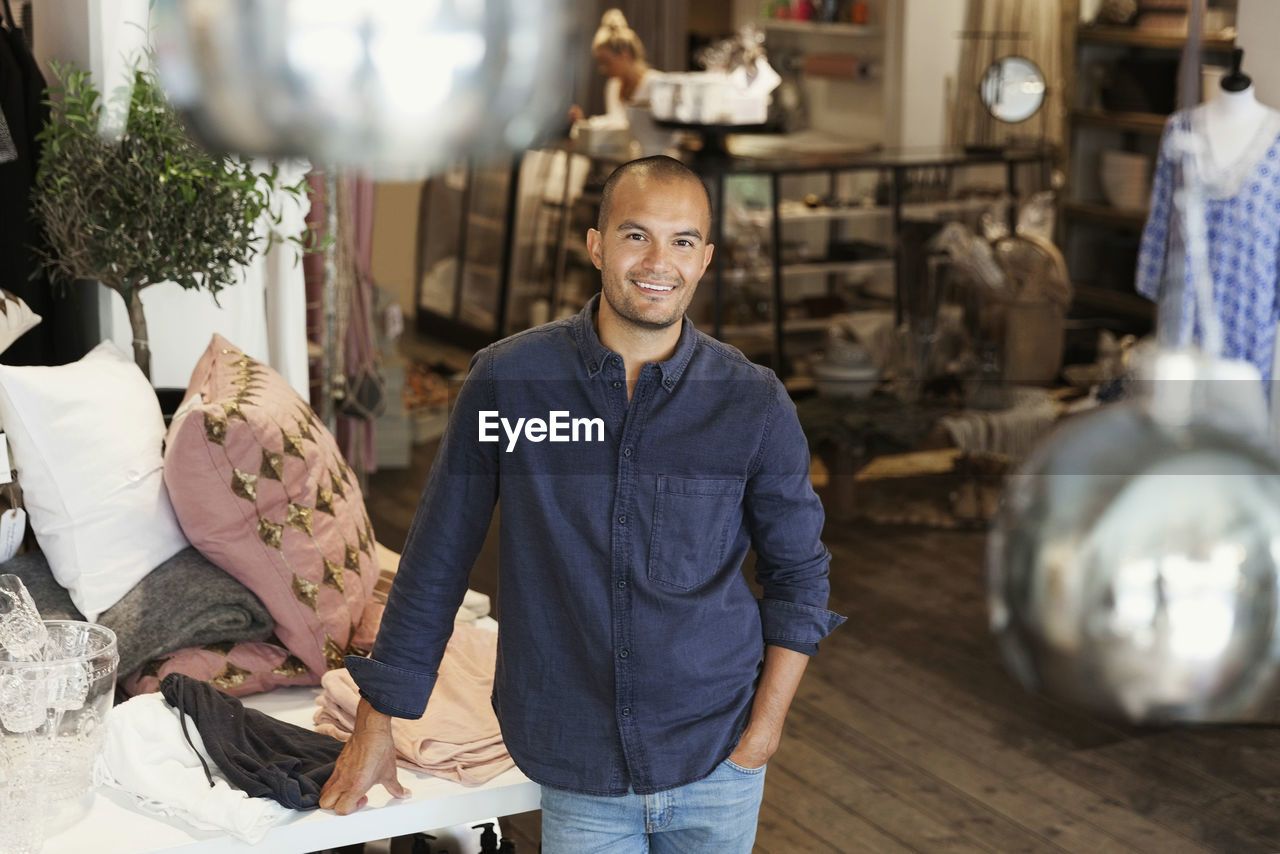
[368,759]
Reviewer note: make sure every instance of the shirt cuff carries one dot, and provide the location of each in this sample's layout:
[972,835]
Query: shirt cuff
[796,626]
[806,648]
[391,690]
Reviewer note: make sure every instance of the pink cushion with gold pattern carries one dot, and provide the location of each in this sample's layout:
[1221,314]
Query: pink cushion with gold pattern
[239,669]
[259,487]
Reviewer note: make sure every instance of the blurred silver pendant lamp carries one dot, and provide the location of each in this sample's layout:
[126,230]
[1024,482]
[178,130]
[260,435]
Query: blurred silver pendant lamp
[396,88]
[1134,567]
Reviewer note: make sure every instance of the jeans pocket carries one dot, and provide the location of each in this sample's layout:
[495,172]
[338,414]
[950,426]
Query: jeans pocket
[692,518]
[750,772]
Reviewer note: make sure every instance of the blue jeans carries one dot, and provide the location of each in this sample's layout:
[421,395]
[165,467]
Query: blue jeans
[715,814]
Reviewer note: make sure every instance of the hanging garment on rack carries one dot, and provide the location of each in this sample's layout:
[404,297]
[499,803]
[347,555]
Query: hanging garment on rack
[365,397]
[22,94]
[1242,213]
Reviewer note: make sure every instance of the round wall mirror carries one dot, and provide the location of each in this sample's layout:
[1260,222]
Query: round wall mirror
[1012,89]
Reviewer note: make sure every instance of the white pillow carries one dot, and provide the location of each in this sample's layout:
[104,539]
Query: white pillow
[86,440]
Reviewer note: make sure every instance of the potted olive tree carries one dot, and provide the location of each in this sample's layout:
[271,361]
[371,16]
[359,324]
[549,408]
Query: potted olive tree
[149,207]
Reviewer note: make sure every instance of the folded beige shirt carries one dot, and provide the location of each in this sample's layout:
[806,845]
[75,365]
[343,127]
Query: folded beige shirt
[457,738]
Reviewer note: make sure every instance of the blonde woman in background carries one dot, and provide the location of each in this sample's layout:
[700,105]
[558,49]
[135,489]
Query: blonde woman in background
[619,56]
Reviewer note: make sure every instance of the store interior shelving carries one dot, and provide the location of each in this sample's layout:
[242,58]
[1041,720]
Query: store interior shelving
[825,235]
[837,28]
[1116,105]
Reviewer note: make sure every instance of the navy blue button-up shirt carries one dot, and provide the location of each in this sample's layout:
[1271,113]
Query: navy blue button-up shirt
[630,642]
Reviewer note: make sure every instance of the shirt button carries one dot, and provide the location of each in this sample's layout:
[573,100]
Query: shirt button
[626,711]
[617,383]
[626,452]
[593,366]
[668,382]
[617,360]
[625,653]
[622,520]
[622,585]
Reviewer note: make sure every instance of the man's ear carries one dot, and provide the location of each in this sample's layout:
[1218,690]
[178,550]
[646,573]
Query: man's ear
[706,260]
[594,240]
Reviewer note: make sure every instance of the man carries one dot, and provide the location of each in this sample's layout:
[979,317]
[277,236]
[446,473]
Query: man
[637,461]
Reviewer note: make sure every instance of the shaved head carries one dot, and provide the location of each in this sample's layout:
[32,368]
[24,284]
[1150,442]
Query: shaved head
[659,166]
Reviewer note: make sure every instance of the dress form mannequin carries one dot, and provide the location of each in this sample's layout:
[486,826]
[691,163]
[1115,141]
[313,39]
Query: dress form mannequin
[1232,118]
[1231,121]
[1235,163]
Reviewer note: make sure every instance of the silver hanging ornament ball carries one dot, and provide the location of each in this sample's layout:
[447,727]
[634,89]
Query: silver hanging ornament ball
[398,88]
[1132,568]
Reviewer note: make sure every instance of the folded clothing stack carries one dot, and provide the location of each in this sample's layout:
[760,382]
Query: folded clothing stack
[263,756]
[194,752]
[185,601]
[159,758]
[457,738]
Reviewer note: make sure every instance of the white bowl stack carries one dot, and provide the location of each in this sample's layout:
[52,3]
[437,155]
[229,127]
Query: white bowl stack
[847,370]
[856,381]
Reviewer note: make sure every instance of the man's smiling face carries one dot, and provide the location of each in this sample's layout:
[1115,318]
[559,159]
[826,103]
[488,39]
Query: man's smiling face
[653,251]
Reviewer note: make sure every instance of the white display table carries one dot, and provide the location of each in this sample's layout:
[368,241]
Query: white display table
[108,822]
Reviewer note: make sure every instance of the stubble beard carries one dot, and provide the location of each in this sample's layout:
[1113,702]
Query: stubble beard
[626,309]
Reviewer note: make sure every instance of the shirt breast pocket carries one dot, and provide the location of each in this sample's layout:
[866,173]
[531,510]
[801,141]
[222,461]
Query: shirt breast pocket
[692,518]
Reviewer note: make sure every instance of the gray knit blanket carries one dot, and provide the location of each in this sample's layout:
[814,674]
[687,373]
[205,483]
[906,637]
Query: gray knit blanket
[185,601]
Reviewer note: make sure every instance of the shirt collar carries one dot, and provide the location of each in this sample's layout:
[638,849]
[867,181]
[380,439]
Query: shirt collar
[584,331]
[594,352]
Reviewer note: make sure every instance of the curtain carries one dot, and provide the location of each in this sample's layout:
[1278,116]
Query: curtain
[663,28]
[355,356]
[285,297]
[1037,24]
[355,327]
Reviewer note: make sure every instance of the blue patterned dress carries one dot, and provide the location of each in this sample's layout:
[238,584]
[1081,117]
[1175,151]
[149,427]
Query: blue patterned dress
[1242,212]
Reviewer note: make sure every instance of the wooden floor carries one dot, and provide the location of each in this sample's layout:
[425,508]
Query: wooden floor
[907,735]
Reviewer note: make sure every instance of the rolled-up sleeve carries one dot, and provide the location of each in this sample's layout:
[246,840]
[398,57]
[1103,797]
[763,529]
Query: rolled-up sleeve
[796,626]
[445,536]
[391,690]
[785,519]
